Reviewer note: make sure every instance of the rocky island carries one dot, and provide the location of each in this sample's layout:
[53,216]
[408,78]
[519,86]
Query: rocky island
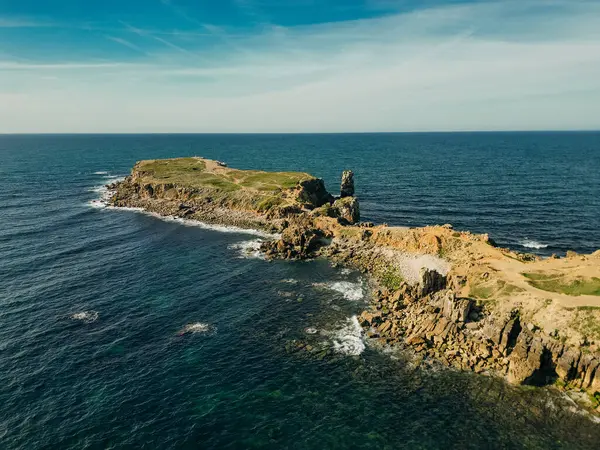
[450,296]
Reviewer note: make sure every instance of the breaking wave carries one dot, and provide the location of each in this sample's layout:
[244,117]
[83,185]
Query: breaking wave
[350,291]
[104,191]
[197,327]
[248,249]
[530,243]
[85,316]
[106,194]
[348,340]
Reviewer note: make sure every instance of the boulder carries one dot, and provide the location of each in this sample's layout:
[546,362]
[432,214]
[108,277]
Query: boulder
[526,360]
[312,193]
[509,335]
[566,366]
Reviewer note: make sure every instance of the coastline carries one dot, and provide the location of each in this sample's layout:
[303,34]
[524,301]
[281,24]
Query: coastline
[429,309]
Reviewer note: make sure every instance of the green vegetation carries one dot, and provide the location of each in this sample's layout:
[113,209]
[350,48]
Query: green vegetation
[486,290]
[193,172]
[326,210]
[558,283]
[270,181]
[350,233]
[510,289]
[391,279]
[269,203]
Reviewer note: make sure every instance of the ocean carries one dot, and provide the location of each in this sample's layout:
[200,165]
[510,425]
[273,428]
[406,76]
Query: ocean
[122,330]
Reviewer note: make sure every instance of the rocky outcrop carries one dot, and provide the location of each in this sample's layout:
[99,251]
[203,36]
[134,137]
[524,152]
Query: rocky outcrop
[450,330]
[427,310]
[347,186]
[431,281]
[347,209]
[312,193]
[299,240]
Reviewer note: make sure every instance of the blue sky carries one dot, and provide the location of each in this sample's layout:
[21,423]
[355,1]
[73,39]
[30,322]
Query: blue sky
[298,65]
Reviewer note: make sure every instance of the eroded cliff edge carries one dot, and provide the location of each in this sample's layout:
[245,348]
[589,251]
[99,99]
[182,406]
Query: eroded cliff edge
[448,295]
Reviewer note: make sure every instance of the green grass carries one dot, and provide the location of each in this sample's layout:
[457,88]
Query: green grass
[271,181]
[192,172]
[510,289]
[486,290]
[557,283]
[391,279]
[269,203]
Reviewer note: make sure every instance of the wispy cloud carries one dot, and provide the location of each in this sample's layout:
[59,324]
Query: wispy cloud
[147,34]
[12,65]
[126,43]
[476,66]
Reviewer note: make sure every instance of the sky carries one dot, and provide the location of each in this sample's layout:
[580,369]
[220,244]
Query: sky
[167,66]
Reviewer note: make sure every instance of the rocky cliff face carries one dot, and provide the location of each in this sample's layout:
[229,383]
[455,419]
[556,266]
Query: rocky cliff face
[205,190]
[459,334]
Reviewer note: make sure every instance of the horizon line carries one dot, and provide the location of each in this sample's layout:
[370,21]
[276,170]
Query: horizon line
[264,133]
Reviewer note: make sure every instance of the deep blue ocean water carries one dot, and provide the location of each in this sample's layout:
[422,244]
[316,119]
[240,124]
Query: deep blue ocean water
[124,375]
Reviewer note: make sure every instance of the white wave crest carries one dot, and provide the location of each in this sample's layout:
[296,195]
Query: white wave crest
[311,330]
[101,172]
[198,224]
[104,191]
[197,327]
[530,243]
[350,291]
[248,249]
[348,340]
[85,316]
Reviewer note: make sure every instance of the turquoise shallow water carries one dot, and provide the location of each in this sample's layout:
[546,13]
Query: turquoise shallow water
[130,379]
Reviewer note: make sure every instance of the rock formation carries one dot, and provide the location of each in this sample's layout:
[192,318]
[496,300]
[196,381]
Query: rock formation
[347,187]
[450,296]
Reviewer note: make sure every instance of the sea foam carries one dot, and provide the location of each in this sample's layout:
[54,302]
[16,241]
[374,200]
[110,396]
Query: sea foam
[106,194]
[348,340]
[85,316]
[104,191]
[530,243]
[197,327]
[350,291]
[248,249]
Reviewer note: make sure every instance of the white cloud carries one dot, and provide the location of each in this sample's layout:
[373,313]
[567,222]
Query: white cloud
[487,66]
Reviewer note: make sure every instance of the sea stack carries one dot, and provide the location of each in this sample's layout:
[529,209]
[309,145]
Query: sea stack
[347,188]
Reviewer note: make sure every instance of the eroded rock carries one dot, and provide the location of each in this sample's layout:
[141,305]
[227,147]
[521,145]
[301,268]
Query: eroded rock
[431,281]
[347,185]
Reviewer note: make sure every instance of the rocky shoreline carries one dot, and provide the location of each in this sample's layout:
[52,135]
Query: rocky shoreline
[430,281]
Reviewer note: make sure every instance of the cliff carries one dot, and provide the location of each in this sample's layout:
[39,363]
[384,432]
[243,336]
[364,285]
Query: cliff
[450,296]
[209,191]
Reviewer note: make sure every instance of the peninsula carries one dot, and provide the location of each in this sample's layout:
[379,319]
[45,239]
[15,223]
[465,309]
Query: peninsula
[450,296]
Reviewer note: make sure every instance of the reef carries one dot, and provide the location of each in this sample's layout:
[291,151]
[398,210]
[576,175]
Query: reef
[449,296]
